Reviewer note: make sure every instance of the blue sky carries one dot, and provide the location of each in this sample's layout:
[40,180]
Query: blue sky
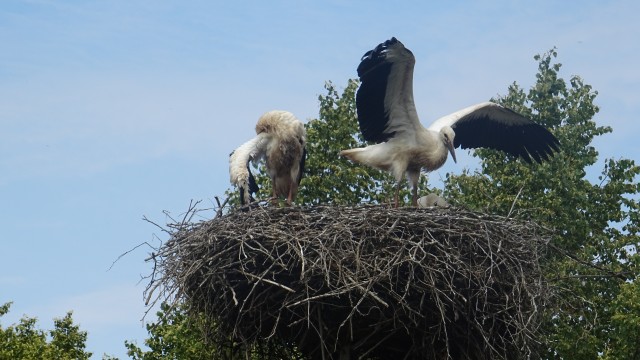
[115,110]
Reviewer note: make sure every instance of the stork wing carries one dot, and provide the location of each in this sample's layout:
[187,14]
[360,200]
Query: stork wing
[239,169]
[384,100]
[493,126]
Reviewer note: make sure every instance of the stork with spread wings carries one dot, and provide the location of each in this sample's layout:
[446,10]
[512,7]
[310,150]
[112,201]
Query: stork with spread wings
[387,115]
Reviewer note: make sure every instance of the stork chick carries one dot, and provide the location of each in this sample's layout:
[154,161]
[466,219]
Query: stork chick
[280,142]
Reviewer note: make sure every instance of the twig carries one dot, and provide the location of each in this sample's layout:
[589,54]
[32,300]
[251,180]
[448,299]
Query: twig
[270,282]
[127,252]
[513,204]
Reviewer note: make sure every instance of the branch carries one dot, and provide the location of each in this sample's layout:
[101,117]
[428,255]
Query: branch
[619,275]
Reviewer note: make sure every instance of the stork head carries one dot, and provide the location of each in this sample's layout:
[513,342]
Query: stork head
[448,135]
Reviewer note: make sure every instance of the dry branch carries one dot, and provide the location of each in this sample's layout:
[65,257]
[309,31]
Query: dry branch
[364,281]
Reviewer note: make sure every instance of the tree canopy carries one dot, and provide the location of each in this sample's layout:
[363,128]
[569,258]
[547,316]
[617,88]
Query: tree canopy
[25,341]
[174,336]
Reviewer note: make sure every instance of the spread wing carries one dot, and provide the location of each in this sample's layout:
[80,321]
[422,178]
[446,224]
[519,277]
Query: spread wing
[384,101]
[493,126]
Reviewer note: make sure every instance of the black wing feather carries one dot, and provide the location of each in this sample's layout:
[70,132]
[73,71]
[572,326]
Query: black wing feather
[253,188]
[503,129]
[302,162]
[373,72]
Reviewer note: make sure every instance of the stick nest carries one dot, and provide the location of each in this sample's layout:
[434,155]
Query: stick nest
[362,282]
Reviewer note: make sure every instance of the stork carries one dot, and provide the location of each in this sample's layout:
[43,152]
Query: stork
[387,116]
[280,142]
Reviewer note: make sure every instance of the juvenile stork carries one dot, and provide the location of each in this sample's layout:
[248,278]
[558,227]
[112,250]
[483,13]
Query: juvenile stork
[280,142]
[387,115]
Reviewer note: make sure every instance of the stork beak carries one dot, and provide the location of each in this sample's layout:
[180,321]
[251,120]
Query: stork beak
[452,151]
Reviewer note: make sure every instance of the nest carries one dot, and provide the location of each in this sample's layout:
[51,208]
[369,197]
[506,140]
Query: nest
[362,282]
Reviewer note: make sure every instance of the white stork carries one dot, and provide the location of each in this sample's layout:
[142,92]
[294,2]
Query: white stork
[280,141]
[387,115]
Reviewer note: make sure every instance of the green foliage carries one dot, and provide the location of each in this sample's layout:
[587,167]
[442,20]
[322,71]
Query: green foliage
[25,341]
[175,335]
[625,321]
[596,225]
[67,341]
[179,334]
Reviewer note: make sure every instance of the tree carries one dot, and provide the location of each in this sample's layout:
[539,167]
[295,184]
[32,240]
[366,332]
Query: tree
[175,335]
[25,341]
[178,334]
[595,226]
[625,324]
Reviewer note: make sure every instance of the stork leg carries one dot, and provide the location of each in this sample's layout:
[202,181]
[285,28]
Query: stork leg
[413,177]
[293,190]
[274,198]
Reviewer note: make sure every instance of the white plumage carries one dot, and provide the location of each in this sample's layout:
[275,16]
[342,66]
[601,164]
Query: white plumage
[432,200]
[387,115]
[280,141]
